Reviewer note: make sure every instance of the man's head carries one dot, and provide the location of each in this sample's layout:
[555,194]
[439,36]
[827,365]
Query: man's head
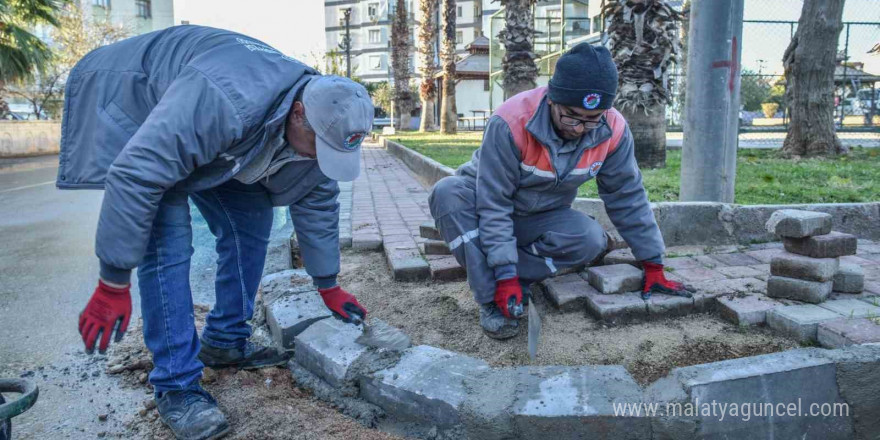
[582,88]
[329,123]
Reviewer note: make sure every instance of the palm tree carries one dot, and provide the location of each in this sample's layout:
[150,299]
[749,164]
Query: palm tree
[643,39]
[518,64]
[21,52]
[427,91]
[400,35]
[448,112]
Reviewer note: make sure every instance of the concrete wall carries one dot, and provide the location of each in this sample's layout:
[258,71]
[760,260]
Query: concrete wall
[29,138]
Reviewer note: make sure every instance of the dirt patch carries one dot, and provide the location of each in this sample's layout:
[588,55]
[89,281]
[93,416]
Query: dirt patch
[445,315]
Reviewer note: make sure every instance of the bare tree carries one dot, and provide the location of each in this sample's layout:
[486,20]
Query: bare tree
[43,92]
[809,63]
[448,112]
[518,65]
[400,36]
[427,91]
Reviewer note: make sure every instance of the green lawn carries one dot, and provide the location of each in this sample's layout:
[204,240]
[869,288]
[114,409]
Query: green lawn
[761,178]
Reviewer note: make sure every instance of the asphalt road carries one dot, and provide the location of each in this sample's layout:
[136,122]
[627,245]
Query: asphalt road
[48,271]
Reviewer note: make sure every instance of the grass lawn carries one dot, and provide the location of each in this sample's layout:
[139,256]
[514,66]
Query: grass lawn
[761,177]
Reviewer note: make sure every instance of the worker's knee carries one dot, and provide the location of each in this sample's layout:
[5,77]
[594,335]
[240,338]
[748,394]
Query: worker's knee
[593,244]
[451,194]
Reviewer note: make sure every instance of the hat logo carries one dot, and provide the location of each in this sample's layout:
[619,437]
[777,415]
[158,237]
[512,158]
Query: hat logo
[591,101]
[353,141]
[594,168]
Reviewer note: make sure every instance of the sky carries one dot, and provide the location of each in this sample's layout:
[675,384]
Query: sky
[295,27]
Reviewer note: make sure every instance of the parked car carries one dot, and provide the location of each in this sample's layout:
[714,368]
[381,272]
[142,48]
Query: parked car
[864,98]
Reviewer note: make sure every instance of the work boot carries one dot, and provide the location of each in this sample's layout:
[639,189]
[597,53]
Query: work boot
[495,324]
[192,414]
[251,356]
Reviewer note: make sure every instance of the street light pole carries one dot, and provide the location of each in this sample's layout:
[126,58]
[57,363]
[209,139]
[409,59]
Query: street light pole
[348,42]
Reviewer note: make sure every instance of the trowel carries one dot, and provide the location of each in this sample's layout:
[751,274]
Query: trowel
[379,334]
[534,329]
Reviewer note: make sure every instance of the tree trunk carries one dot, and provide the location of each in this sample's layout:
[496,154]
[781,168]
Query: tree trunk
[649,134]
[518,64]
[427,91]
[448,112]
[809,64]
[400,34]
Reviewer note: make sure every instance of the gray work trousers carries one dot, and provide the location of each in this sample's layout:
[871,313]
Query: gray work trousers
[546,242]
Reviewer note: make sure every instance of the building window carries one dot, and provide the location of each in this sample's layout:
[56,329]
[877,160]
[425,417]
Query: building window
[375,35]
[102,3]
[477,11]
[143,8]
[373,11]
[485,85]
[459,12]
[597,23]
[375,62]
[459,37]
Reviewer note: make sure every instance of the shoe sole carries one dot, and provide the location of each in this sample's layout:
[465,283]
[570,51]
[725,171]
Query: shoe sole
[502,335]
[255,366]
[224,429]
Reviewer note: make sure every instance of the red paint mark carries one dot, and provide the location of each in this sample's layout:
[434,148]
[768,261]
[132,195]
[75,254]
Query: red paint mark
[730,64]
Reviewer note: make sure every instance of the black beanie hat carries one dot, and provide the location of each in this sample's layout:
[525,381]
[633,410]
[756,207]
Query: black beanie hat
[585,77]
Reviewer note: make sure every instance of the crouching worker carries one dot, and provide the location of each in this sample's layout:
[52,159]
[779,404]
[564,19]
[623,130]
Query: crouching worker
[204,116]
[507,214]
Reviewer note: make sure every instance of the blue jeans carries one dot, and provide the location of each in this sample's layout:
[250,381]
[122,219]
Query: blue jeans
[240,217]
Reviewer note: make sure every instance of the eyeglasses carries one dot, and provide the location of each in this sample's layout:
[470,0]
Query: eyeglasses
[588,124]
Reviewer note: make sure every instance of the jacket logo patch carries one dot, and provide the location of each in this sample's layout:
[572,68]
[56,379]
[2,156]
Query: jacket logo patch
[594,168]
[255,46]
[353,141]
[592,100]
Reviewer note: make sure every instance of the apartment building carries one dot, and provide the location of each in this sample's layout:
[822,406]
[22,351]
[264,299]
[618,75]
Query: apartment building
[141,16]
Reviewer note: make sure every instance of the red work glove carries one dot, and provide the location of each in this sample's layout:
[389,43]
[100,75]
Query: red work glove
[108,310]
[656,282]
[505,290]
[343,305]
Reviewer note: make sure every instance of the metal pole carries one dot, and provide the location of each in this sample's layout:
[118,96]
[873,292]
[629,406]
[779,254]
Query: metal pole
[708,161]
[843,89]
[348,43]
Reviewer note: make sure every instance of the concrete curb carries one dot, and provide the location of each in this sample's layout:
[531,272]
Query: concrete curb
[722,223]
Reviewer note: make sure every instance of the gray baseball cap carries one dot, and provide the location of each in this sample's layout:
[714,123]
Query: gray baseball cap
[341,113]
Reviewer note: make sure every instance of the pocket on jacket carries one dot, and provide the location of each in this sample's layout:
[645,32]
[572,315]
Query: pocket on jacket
[114,114]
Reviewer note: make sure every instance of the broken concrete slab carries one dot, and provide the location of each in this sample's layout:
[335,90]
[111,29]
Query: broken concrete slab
[848,331]
[798,223]
[291,315]
[328,349]
[617,308]
[446,268]
[850,278]
[426,385]
[429,230]
[797,266]
[745,310]
[436,247]
[852,308]
[617,278]
[800,290]
[799,321]
[568,292]
[832,245]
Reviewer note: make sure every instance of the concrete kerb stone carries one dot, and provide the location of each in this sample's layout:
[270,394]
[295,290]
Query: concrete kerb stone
[428,170]
[289,316]
[799,321]
[328,349]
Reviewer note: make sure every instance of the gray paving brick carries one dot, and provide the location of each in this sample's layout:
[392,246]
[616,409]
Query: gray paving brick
[739,271]
[746,309]
[735,259]
[852,308]
[371,242]
[666,305]
[617,308]
[835,244]
[621,256]
[429,230]
[407,264]
[798,223]
[679,263]
[800,321]
[850,278]
[699,274]
[446,268]
[765,255]
[708,291]
[845,331]
[328,349]
[791,288]
[805,268]
[436,247]
[291,315]
[568,292]
[616,278]
[854,259]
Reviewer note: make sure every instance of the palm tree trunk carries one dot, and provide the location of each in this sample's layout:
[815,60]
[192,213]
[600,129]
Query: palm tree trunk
[400,34]
[809,64]
[648,127]
[448,112]
[427,91]
[518,64]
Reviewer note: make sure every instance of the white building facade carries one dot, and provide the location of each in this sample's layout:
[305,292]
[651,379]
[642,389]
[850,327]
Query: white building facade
[140,16]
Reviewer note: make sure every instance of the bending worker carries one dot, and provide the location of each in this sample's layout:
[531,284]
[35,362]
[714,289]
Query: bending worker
[219,119]
[506,214]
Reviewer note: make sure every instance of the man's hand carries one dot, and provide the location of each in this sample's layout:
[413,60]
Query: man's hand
[505,291]
[108,310]
[343,305]
[656,282]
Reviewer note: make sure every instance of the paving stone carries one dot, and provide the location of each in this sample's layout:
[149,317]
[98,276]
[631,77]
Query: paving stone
[872,257]
[765,255]
[835,244]
[666,305]
[708,291]
[699,274]
[842,332]
[852,308]
[746,310]
[706,261]
[616,278]
[797,266]
[407,264]
[430,231]
[446,268]
[436,247]
[735,259]
[617,308]
[426,385]
[621,256]
[370,242]
[291,315]
[739,271]
[328,349]
[679,263]
[798,223]
[568,292]
[853,259]
[791,288]
[800,321]
[850,278]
